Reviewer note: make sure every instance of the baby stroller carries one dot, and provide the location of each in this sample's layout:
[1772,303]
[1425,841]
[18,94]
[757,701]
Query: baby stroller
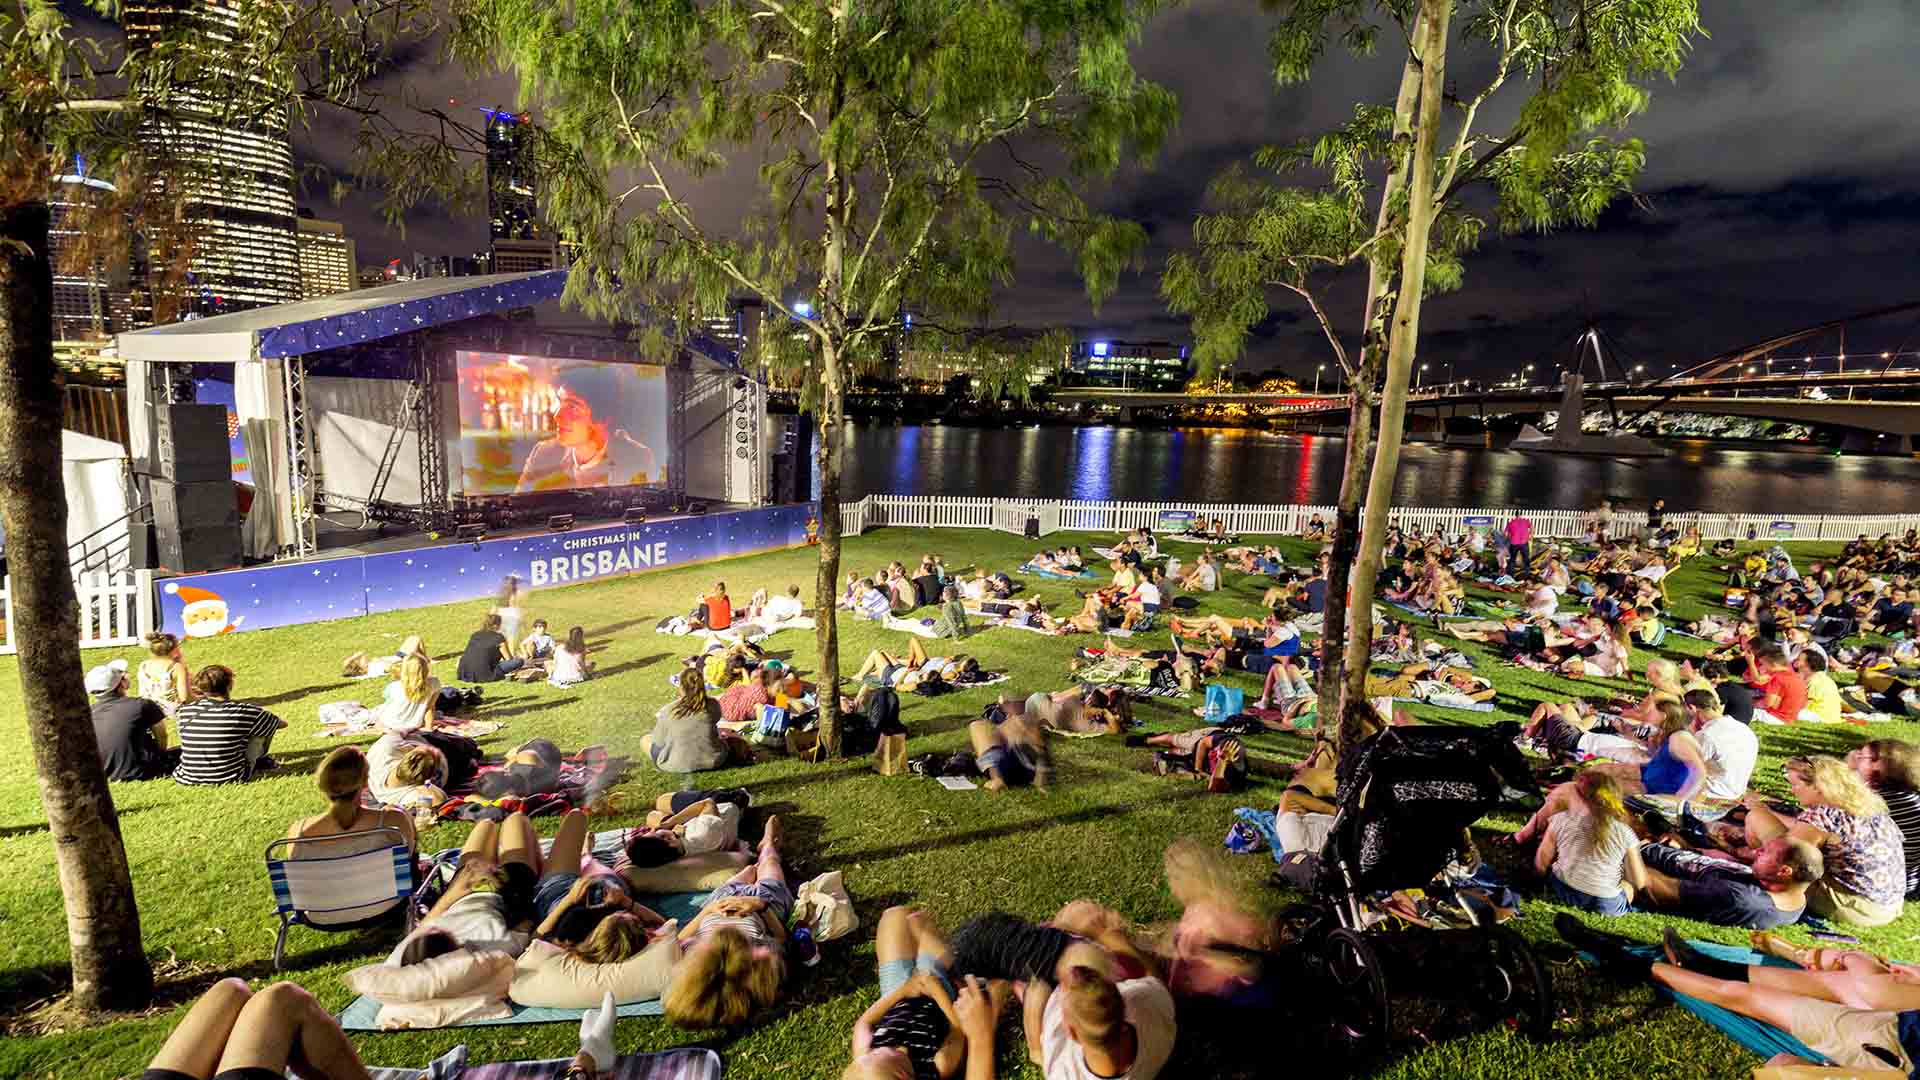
[1404,806]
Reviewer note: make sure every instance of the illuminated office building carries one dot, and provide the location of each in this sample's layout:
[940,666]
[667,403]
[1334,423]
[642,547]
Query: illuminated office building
[326,257]
[94,299]
[228,154]
[1128,365]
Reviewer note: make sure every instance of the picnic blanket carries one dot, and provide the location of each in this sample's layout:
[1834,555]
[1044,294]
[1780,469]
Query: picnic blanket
[1137,691]
[337,722]
[687,1063]
[583,776]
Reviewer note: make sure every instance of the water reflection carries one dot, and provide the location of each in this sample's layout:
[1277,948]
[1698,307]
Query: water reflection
[1234,466]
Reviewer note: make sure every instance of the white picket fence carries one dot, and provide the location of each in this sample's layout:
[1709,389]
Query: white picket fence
[116,609]
[1054,515]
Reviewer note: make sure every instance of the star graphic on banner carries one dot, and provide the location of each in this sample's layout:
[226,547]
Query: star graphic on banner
[417,320]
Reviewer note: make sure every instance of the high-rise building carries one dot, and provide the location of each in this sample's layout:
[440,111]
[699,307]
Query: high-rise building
[513,209]
[326,257]
[224,155]
[93,293]
[522,256]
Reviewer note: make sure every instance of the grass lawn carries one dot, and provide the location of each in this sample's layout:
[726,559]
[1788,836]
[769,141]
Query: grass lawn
[207,910]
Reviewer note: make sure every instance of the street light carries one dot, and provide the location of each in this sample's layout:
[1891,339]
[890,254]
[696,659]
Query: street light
[1421,377]
[1316,378]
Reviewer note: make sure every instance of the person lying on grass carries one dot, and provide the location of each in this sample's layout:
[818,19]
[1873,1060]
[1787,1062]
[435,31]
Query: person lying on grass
[696,829]
[1596,648]
[923,1027]
[1012,753]
[1714,889]
[906,673]
[734,952]
[1101,710]
[1853,1009]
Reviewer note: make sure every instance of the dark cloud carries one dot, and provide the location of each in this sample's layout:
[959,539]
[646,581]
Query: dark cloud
[1778,193]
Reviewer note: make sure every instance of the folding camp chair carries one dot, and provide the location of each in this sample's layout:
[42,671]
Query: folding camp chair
[345,882]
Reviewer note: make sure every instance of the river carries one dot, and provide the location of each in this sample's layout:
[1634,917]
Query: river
[1227,465]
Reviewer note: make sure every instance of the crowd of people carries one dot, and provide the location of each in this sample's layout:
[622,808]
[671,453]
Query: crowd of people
[1654,810]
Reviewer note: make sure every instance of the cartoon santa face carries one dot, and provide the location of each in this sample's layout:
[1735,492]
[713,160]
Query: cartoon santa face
[203,613]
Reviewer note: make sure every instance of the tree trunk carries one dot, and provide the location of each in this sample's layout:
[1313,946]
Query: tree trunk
[110,968]
[826,586]
[1346,539]
[1353,476]
[1431,45]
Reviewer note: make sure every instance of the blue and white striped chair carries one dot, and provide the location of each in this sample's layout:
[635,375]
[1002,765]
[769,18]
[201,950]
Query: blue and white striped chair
[345,882]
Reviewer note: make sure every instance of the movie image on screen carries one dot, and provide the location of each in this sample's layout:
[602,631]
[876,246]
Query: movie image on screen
[533,423]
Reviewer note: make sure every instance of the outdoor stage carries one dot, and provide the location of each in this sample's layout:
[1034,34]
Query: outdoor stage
[415,571]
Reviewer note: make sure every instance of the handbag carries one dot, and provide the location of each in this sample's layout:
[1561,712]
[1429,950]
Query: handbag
[1224,701]
[890,757]
[824,907]
[773,722]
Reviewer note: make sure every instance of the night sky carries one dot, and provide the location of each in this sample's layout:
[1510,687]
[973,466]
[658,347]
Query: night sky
[1779,191]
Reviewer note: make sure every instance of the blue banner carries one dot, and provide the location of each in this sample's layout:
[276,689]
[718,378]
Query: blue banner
[205,605]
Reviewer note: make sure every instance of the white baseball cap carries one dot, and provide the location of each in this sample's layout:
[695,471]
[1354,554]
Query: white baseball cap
[106,677]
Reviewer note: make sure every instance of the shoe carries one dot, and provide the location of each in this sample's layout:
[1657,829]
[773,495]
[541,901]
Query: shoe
[1692,829]
[1134,740]
[265,765]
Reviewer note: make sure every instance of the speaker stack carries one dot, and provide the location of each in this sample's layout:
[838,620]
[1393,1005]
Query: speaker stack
[792,459]
[196,516]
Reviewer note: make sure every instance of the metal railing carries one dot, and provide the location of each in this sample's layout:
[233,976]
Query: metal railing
[1054,515]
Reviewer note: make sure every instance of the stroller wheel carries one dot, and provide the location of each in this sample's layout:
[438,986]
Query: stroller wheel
[1360,1009]
[1512,983]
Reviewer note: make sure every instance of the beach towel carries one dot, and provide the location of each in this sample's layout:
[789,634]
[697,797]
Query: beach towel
[1760,1037]
[688,1063]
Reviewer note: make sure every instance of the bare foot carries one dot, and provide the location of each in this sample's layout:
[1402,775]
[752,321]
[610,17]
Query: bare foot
[994,783]
[770,837]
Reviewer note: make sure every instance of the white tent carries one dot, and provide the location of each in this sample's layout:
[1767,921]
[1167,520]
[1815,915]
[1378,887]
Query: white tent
[95,472]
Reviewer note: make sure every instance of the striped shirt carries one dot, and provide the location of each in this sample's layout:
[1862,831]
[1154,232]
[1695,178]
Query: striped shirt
[213,739]
[1904,808]
[917,1026]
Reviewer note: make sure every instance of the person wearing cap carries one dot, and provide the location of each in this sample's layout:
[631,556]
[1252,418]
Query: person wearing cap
[131,731]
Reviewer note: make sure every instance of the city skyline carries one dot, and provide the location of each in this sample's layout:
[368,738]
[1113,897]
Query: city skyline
[1772,197]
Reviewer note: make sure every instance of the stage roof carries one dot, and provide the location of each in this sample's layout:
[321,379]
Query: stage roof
[347,318]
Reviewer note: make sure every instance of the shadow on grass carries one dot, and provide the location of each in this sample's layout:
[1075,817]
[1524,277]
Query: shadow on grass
[634,664]
[522,706]
[296,695]
[8,831]
[997,832]
[628,624]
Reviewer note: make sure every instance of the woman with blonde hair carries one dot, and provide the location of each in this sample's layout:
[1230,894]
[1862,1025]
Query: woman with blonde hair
[342,779]
[1866,878]
[734,957]
[412,699]
[1589,852]
[360,664]
[1675,764]
[164,677]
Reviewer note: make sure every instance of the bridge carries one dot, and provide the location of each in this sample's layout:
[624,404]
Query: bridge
[1868,400]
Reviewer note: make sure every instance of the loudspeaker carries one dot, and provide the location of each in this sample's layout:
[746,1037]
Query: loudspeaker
[697,508]
[189,550]
[143,548]
[190,443]
[560,522]
[635,515]
[178,506]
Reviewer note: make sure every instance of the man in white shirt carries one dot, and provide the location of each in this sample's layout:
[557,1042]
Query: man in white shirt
[1728,747]
[783,608]
[1092,1028]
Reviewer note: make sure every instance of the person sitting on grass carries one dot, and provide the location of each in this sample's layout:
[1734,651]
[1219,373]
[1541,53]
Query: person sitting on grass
[1891,767]
[488,657]
[1674,766]
[1013,753]
[1780,693]
[922,1028]
[1772,892]
[1597,648]
[131,731]
[222,741]
[733,955]
[1853,1009]
[570,664]
[696,829]
[872,603]
[164,677]
[742,700]
[951,622]
[1588,852]
[1866,870]
[1204,577]
[411,702]
[537,648]
[686,736]
[342,779]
